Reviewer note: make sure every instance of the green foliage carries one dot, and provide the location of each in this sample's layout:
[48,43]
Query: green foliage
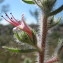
[52,23]
[19,50]
[25,38]
[46,5]
[58,10]
[12,56]
[28,1]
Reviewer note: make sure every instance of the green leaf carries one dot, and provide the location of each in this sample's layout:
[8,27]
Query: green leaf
[28,1]
[58,20]
[19,50]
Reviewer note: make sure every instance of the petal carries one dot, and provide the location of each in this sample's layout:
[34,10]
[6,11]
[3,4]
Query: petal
[25,28]
[16,29]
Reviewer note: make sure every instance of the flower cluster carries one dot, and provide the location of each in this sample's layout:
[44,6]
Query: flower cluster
[27,33]
[19,24]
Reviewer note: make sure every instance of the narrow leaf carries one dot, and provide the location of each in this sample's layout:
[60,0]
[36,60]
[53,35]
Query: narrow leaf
[28,1]
[55,23]
[19,50]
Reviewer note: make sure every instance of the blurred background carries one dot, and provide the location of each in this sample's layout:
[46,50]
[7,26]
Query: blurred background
[31,13]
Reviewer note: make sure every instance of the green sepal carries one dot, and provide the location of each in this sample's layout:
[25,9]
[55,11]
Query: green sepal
[25,38]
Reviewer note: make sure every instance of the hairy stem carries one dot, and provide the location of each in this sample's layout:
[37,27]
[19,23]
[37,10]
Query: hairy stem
[44,33]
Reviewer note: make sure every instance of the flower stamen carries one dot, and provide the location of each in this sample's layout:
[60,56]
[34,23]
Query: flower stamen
[13,17]
[8,21]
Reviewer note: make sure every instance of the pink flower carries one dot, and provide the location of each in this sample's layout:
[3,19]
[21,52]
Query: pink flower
[19,24]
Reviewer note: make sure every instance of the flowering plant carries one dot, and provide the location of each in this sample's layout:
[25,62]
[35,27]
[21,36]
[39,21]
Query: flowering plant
[28,35]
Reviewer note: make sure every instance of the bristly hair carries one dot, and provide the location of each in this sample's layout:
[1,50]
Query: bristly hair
[40,29]
[45,5]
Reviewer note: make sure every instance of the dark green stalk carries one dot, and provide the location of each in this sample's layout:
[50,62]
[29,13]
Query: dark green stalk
[56,11]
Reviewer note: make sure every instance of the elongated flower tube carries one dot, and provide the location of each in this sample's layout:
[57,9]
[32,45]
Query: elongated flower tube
[27,34]
[23,26]
[19,24]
